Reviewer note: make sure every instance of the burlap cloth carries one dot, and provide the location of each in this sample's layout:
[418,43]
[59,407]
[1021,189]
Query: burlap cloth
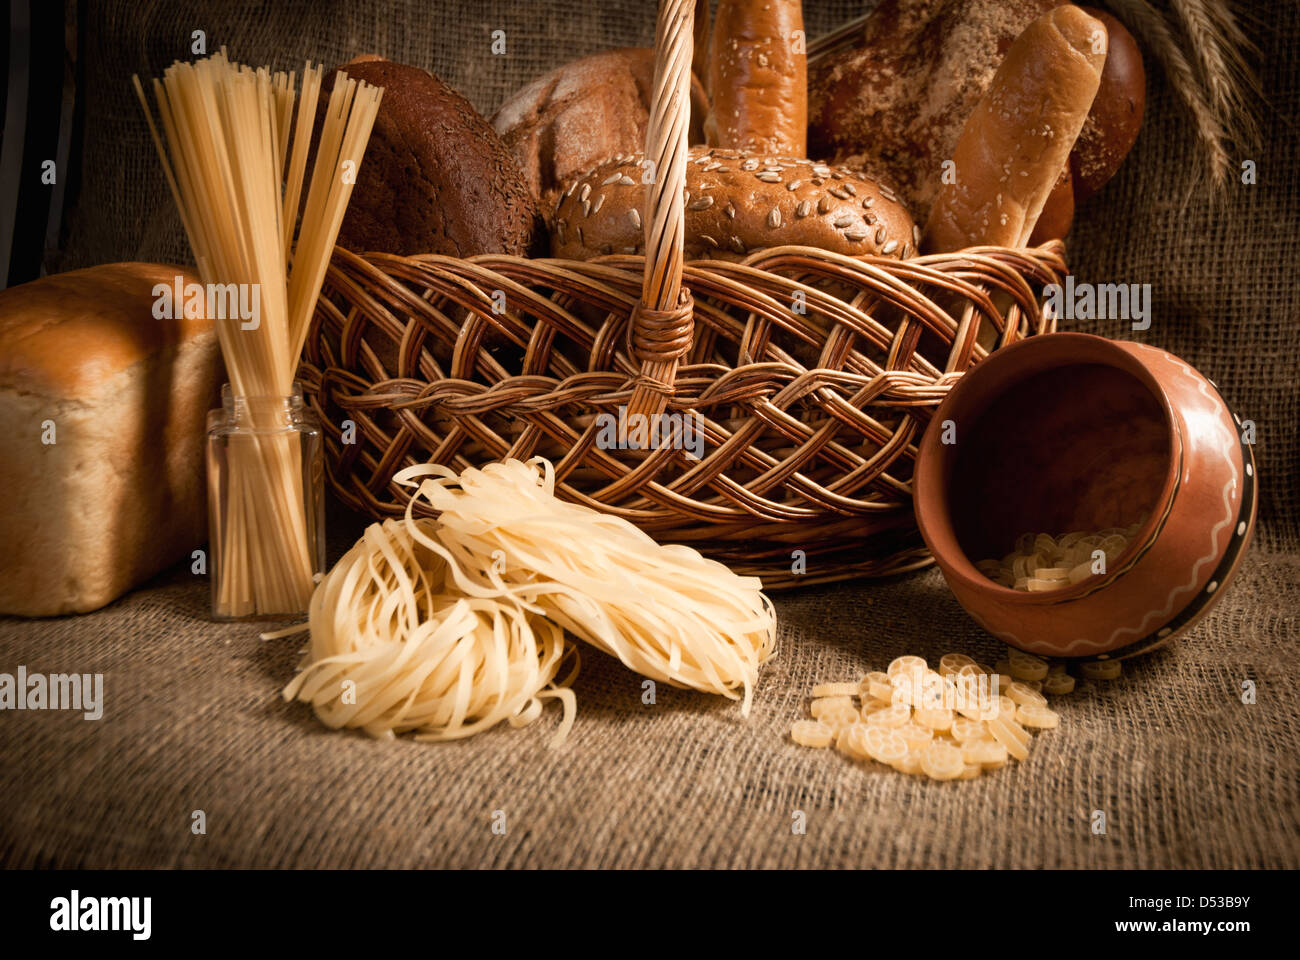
[1185,773]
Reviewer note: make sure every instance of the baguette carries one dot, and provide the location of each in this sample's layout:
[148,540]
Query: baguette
[758,78]
[1015,145]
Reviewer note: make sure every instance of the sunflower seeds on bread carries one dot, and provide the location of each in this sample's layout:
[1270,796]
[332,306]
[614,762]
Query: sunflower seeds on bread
[736,203]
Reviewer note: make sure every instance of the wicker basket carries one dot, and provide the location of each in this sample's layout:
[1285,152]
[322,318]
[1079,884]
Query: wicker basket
[810,375]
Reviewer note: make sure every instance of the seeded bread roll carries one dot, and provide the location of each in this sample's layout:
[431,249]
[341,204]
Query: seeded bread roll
[758,82]
[582,113]
[1016,143]
[102,410]
[736,203]
[436,177]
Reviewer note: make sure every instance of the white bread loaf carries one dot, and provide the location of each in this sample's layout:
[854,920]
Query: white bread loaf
[120,493]
[1015,145]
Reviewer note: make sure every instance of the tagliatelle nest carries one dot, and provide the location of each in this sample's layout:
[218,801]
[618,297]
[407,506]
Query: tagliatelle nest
[393,649]
[666,611]
[448,626]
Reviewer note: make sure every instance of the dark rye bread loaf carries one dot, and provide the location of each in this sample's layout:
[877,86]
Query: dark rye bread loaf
[435,178]
[736,203]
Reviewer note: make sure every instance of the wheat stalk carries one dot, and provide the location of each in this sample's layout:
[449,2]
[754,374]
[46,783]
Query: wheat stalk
[1221,47]
[1241,52]
[1150,24]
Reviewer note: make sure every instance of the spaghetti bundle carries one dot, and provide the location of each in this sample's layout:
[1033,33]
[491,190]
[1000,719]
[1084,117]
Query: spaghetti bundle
[664,610]
[236,158]
[394,648]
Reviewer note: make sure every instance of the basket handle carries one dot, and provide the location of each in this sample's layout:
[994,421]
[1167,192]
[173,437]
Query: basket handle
[662,324]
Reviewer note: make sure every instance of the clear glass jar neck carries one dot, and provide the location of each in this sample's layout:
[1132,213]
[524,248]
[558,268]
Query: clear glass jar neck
[264,411]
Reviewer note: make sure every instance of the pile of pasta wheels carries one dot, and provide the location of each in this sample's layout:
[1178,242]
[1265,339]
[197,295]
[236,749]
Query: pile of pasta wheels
[1041,562]
[448,625]
[948,724]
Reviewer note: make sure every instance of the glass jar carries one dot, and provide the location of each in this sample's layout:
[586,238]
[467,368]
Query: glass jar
[266,505]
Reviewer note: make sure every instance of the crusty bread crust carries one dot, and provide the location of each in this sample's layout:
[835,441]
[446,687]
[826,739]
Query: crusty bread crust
[583,113]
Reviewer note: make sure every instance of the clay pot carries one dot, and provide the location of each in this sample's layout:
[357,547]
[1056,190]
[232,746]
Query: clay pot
[1076,432]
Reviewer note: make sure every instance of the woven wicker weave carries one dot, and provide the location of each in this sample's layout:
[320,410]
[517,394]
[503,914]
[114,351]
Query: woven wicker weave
[810,374]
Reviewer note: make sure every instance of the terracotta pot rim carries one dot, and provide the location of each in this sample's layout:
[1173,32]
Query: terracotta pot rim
[938,532]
